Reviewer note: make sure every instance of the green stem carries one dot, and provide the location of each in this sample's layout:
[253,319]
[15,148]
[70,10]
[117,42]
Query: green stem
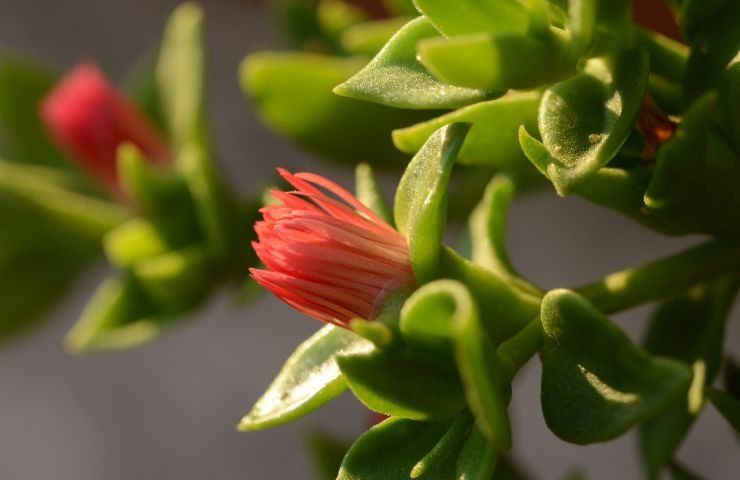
[630,288]
[662,278]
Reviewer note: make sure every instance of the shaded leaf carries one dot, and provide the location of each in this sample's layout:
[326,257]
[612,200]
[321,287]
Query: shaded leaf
[368,192]
[473,16]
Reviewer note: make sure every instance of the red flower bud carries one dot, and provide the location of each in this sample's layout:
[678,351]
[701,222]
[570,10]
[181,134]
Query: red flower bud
[89,119]
[327,254]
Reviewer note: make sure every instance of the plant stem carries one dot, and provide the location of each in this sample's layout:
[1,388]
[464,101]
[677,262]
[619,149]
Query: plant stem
[662,278]
[630,288]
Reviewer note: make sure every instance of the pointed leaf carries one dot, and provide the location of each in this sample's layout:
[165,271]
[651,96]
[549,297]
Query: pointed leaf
[473,16]
[368,192]
[309,379]
[595,383]
[478,458]
[420,208]
[396,78]
[368,38]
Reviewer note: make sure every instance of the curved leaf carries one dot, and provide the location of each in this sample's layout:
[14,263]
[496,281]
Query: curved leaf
[585,120]
[403,385]
[368,192]
[309,379]
[396,78]
[472,16]
[420,208]
[595,383]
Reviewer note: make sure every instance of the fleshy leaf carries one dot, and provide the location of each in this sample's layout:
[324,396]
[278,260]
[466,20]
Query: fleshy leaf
[420,208]
[368,192]
[487,226]
[497,62]
[492,140]
[402,384]
[309,379]
[729,101]
[689,328]
[337,128]
[473,16]
[445,452]
[585,120]
[694,186]
[179,75]
[396,78]
[390,450]
[595,383]
[478,458]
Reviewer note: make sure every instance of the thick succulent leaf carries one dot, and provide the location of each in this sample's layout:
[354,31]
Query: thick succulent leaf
[443,456]
[309,379]
[216,211]
[727,405]
[714,44]
[119,316]
[694,186]
[478,458]
[595,383]
[497,62]
[492,140]
[83,216]
[293,96]
[689,328]
[402,384]
[427,317]
[390,450]
[420,208]
[180,72]
[396,78]
[487,227]
[582,24]
[368,192]
[368,38]
[22,135]
[473,16]
[585,120]
[335,16]
[505,306]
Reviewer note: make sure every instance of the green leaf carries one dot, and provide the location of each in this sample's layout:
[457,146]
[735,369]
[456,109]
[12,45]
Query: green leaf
[309,379]
[215,209]
[478,458]
[180,72]
[497,62]
[727,405]
[585,120]
[446,451]
[693,188]
[335,16]
[81,215]
[689,328]
[132,241]
[420,208]
[118,317]
[729,102]
[472,16]
[595,383]
[390,450]
[403,384]
[396,78]
[427,317]
[293,96]
[368,192]
[582,24]
[368,38]
[23,86]
[492,140]
[487,226]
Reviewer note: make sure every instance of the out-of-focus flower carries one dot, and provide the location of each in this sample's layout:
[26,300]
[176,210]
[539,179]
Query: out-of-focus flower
[89,119]
[327,254]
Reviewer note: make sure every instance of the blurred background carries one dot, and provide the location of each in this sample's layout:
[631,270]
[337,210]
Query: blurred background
[169,410]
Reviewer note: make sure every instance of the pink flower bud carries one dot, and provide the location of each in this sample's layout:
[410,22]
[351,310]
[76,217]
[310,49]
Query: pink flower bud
[327,254]
[89,119]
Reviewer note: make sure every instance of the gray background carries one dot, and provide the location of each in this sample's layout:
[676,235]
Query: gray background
[168,410]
